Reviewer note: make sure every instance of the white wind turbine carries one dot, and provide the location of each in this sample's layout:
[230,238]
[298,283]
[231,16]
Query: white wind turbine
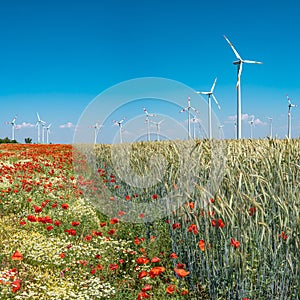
[239,62]
[120,124]
[194,121]
[251,123]
[148,122]
[97,127]
[210,94]
[188,109]
[289,116]
[48,132]
[13,124]
[271,127]
[157,124]
[38,125]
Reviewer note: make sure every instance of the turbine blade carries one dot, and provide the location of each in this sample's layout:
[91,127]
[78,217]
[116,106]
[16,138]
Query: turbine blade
[213,86]
[288,99]
[252,62]
[38,116]
[183,110]
[194,109]
[145,111]
[203,93]
[219,107]
[235,52]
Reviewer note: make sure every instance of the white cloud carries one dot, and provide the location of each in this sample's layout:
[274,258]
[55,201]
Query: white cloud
[24,125]
[247,118]
[67,125]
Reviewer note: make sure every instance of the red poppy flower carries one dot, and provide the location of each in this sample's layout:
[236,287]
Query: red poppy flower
[143,295]
[57,223]
[102,224]
[114,221]
[155,259]
[154,196]
[283,236]
[252,211]
[65,206]
[142,260]
[184,292]
[142,274]
[113,267]
[176,225]
[75,223]
[62,255]
[214,223]
[220,223]
[181,272]
[201,245]
[193,228]
[234,243]
[111,232]
[31,218]
[173,255]
[49,228]
[156,271]
[127,198]
[17,256]
[16,285]
[171,288]
[88,237]
[146,288]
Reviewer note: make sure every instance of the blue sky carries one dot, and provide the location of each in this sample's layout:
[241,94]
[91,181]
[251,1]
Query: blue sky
[57,56]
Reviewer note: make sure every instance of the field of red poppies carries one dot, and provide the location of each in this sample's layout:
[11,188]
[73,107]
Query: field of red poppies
[56,245]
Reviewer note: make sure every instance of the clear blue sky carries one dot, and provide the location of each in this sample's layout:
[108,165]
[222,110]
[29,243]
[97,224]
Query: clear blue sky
[56,56]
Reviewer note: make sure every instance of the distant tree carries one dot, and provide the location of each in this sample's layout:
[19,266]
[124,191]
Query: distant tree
[7,141]
[28,140]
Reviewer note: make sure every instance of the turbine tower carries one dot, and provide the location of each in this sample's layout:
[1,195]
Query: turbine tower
[157,124]
[13,124]
[188,109]
[148,122]
[271,127]
[120,124]
[289,116]
[38,125]
[194,121]
[210,94]
[239,62]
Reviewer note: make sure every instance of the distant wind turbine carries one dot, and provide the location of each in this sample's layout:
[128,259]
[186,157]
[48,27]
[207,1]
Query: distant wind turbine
[251,122]
[194,121]
[38,125]
[148,122]
[120,124]
[97,127]
[289,116]
[188,109]
[239,62]
[48,132]
[13,124]
[157,124]
[271,127]
[210,93]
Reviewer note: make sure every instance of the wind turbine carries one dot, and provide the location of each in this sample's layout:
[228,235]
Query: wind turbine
[239,62]
[148,122]
[194,121]
[289,116]
[120,124]
[271,127]
[97,127]
[157,124]
[251,122]
[210,93]
[38,125]
[220,130]
[48,132]
[188,109]
[13,124]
